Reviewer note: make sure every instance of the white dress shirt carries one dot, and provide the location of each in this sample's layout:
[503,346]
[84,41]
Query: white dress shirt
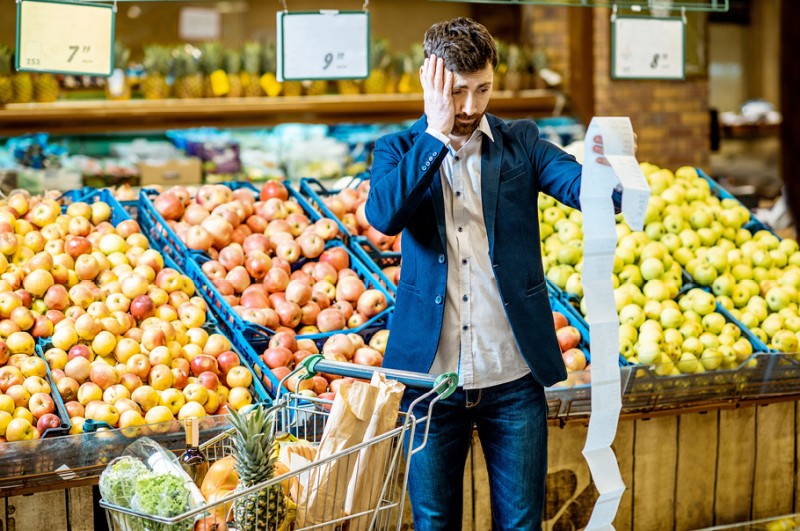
[476,338]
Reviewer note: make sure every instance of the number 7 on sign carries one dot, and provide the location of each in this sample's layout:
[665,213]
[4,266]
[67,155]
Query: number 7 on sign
[75,50]
[329,59]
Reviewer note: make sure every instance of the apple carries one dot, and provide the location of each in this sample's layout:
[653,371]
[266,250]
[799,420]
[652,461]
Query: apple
[203,363]
[379,341]
[35,384]
[192,409]
[89,392]
[145,397]
[78,368]
[173,399]
[368,356]
[33,366]
[568,337]
[41,404]
[161,377]
[115,392]
[19,430]
[10,376]
[68,388]
[371,303]
[238,397]
[209,380]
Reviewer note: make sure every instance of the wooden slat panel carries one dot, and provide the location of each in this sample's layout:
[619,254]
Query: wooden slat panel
[43,511]
[570,493]
[79,506]
[697,463]
[773,484]
[623,447]
[735,465]
[482,504]
[468,518]
[655,460]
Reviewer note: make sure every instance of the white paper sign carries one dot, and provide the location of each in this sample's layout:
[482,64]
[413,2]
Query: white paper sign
[648,48]
[65,38]
[327,44]
[199,23]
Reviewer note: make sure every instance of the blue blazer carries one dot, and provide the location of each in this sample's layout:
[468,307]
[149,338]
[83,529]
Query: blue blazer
[406,195]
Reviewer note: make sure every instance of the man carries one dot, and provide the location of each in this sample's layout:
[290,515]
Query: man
[462,185]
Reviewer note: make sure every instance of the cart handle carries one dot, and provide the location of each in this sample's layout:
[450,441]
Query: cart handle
[317,363]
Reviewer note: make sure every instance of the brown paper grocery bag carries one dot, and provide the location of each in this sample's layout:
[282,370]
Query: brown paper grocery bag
[322,499]
[374,461]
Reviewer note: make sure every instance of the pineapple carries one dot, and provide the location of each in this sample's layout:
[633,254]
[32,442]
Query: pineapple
[233,67]
[121,89]
[6,86]
[254,444]
[156,64]
[45,88]
[188,81]
[23,87]
[513,77]
[251,62]
[269,81]
[502,65]
[210,62]
[379,74]
[318,87]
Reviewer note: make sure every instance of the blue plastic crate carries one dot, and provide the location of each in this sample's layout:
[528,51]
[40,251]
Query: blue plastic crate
[254,348]
[157,230]
[61,410]
[251,332]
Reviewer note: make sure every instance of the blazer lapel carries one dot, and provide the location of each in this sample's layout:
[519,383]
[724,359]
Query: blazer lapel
[491,155]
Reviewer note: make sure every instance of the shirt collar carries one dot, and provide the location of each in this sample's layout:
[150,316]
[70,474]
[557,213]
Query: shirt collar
[485,128]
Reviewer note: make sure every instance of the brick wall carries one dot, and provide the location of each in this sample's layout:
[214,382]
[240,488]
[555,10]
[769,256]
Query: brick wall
[670,117]
[547,28]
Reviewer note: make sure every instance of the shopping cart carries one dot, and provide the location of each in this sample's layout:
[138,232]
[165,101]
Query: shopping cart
[381,463]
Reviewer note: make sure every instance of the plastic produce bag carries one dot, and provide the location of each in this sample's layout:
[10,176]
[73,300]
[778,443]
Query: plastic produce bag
[148,479]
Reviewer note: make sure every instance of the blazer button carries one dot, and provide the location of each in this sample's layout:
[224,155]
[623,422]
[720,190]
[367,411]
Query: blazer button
[441,258]
[438,299]
[423,167]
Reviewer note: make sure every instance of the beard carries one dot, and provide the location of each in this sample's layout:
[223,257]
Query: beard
[462,128]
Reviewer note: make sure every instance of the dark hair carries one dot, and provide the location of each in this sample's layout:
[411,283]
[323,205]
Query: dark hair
[465,45]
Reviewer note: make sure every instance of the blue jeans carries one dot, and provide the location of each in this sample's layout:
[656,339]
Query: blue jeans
[512,426]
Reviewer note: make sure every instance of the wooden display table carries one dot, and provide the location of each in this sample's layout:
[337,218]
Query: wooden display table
[99,116]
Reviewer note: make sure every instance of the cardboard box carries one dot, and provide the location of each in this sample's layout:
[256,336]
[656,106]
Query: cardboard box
[171,172]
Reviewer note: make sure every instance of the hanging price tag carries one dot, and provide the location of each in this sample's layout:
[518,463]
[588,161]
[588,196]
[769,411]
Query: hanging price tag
[323,45]
[65,37]
[648,48]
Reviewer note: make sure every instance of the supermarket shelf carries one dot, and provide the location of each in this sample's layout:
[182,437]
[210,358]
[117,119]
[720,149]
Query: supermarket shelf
[71,117]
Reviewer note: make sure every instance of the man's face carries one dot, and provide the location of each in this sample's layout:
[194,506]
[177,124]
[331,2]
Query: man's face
[471,94]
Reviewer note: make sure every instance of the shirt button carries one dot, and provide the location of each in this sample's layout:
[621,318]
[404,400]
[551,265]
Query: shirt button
[441,258]
[465,327]
[458,194]
[463,260]
[438,299]
[457,158]
[461,229]
[466,298]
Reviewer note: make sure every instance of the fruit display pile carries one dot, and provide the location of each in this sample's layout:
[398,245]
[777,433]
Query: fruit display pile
[269,262]
[690,235]
[125,338]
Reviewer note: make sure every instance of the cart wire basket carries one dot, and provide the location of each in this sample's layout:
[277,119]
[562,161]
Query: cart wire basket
[321,493]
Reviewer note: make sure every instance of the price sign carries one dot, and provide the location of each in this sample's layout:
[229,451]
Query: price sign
[648,48]
[323,45]
[65,37]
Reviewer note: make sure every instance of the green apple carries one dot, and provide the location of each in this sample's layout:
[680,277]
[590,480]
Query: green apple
[693,345]
[689,239]
[627,255]
[779,258]
[761,258]
[651,268]
[708,236]
[582,307]
[723,285]
[559,275]
[726,244]
[700,218]
[758,307]
[574,285]
[717,257]
[673,336]
[711,358]
[545,230]
[631,274]
[569,231]
[743,237]
[674,195]
[659,181]
[672,242]
[654,249]
[671,318]
[670,303]
[742,272]
[632,314]
[788,246]
[730,218]
[576,216]
[726,302]
[619,263]
[726,340]
[545,201]
[552,244]
[569,254]
[792,323]
[687,363]
[794,259]
[553,214]
[652,309]
[666,368]
[713,322]
[768,239]
[649,353]
[761,274]
[790,277]
[772,325]
[784,341]
[626,348]
[728,356]
[704,274]
[778,298]
[567,209]
[655,230]
[674,224]
[651,331]
[622,229]
[682,255]
[656,290]
[709,340]
[749,319]
[704,303]
[622,298]
[740,296]
[729,233]
[628,332]
[787,312]
[760,334]
[752,287]
[691,328]
[743,349]
[691,315]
